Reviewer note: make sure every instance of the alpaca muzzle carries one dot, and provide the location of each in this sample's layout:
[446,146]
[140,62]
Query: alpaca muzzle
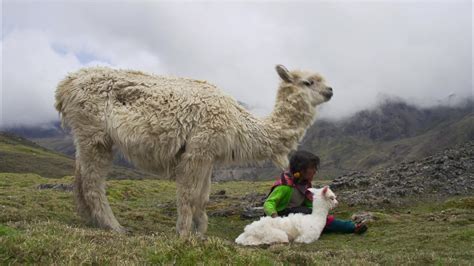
[327,94]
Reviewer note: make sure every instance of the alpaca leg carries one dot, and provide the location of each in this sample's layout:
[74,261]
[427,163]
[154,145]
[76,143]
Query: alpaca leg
[81,206]
[185,213]
[201,199]
[275,235]
[94,161]
[190,175]
[307,237]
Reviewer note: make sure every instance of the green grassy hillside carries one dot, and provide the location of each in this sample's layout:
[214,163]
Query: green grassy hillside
[19,155]
[40,227]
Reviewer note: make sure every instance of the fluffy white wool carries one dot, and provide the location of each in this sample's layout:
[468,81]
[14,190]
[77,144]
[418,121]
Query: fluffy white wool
[300,228]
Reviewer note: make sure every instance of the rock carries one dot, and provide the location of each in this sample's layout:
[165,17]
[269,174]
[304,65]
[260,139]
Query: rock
[61,187]
[223,213]
[363,216]
[450,172]
[252,213]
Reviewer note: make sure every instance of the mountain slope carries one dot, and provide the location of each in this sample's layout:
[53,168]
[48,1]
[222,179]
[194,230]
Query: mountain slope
[19,155]
[384,136]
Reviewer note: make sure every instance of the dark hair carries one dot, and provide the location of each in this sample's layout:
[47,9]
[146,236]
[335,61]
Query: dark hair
[302,160]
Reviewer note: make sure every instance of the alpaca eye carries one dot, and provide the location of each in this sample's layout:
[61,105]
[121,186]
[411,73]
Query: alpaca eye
[308,82]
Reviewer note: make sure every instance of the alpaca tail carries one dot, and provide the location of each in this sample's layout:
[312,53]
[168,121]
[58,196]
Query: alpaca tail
[63,91]
[60,93]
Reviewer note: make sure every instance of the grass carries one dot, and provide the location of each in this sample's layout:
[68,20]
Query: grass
[40,226]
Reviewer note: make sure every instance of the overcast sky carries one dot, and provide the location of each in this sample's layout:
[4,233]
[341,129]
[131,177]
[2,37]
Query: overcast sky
[420,51]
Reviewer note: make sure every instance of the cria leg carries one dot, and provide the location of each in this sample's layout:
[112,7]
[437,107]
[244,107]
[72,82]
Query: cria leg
[275,236]
[307,238]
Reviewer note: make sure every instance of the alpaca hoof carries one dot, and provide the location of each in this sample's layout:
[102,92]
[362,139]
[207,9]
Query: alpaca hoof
[184,235]
[202,238]
[122,230]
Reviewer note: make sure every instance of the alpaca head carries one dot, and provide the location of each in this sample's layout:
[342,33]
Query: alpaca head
[310,83]
[324,196]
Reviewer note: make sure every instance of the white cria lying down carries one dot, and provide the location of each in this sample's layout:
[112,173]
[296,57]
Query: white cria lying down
[300,228]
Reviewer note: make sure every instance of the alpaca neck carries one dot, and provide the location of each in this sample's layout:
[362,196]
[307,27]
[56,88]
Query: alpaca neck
[292,109]
[291,116]
[320,209]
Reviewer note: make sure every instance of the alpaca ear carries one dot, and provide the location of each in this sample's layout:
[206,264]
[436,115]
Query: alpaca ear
[283,73]
[325,190]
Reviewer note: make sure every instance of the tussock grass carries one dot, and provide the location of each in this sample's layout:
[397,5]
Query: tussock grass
[40,226]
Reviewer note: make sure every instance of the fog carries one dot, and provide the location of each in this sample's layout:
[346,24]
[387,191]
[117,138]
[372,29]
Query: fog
[419,51]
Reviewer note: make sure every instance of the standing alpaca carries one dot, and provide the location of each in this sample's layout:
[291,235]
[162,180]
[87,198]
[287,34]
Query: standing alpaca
[301,228]
[177,125]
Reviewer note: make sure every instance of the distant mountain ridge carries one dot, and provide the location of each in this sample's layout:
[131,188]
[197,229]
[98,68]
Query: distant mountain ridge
[391,133]
[383,136]
[393,120]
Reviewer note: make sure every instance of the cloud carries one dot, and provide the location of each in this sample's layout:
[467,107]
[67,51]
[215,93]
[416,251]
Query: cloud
[419,51]
[1,83]
[31,71]
[36,56]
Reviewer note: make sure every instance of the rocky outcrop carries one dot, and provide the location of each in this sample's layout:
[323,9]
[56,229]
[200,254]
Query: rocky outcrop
[248,206]
[60,187]
[447,173]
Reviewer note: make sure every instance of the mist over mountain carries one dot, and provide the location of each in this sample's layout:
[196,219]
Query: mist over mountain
[392,132]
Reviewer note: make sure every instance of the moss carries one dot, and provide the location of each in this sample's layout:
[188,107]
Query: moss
[461,203]
[7,231]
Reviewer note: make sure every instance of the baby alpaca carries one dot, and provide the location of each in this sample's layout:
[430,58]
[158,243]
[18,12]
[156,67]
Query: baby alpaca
[300,228]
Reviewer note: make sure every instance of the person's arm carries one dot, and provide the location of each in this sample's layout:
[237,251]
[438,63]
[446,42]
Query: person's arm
[308,203]
[270,205]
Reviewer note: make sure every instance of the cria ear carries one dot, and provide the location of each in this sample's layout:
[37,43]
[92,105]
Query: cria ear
[325,190]
[283,73]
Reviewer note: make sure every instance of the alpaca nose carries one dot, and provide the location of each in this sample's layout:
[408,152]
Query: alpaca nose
[330,89]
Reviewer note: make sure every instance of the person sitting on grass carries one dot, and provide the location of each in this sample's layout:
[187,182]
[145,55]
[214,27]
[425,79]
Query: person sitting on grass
[289,194]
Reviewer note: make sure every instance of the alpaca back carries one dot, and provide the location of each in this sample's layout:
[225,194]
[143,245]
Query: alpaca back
[269,230]
[151,119]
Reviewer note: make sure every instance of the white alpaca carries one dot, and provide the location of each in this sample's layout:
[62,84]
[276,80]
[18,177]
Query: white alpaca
[300,228]
[177,125]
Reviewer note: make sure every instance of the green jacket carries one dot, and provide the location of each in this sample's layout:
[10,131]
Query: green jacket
[279,199]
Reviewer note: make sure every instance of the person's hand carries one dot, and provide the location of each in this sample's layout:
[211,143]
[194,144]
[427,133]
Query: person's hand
[274,215]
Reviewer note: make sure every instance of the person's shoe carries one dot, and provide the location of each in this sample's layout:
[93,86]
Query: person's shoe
[360,228]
